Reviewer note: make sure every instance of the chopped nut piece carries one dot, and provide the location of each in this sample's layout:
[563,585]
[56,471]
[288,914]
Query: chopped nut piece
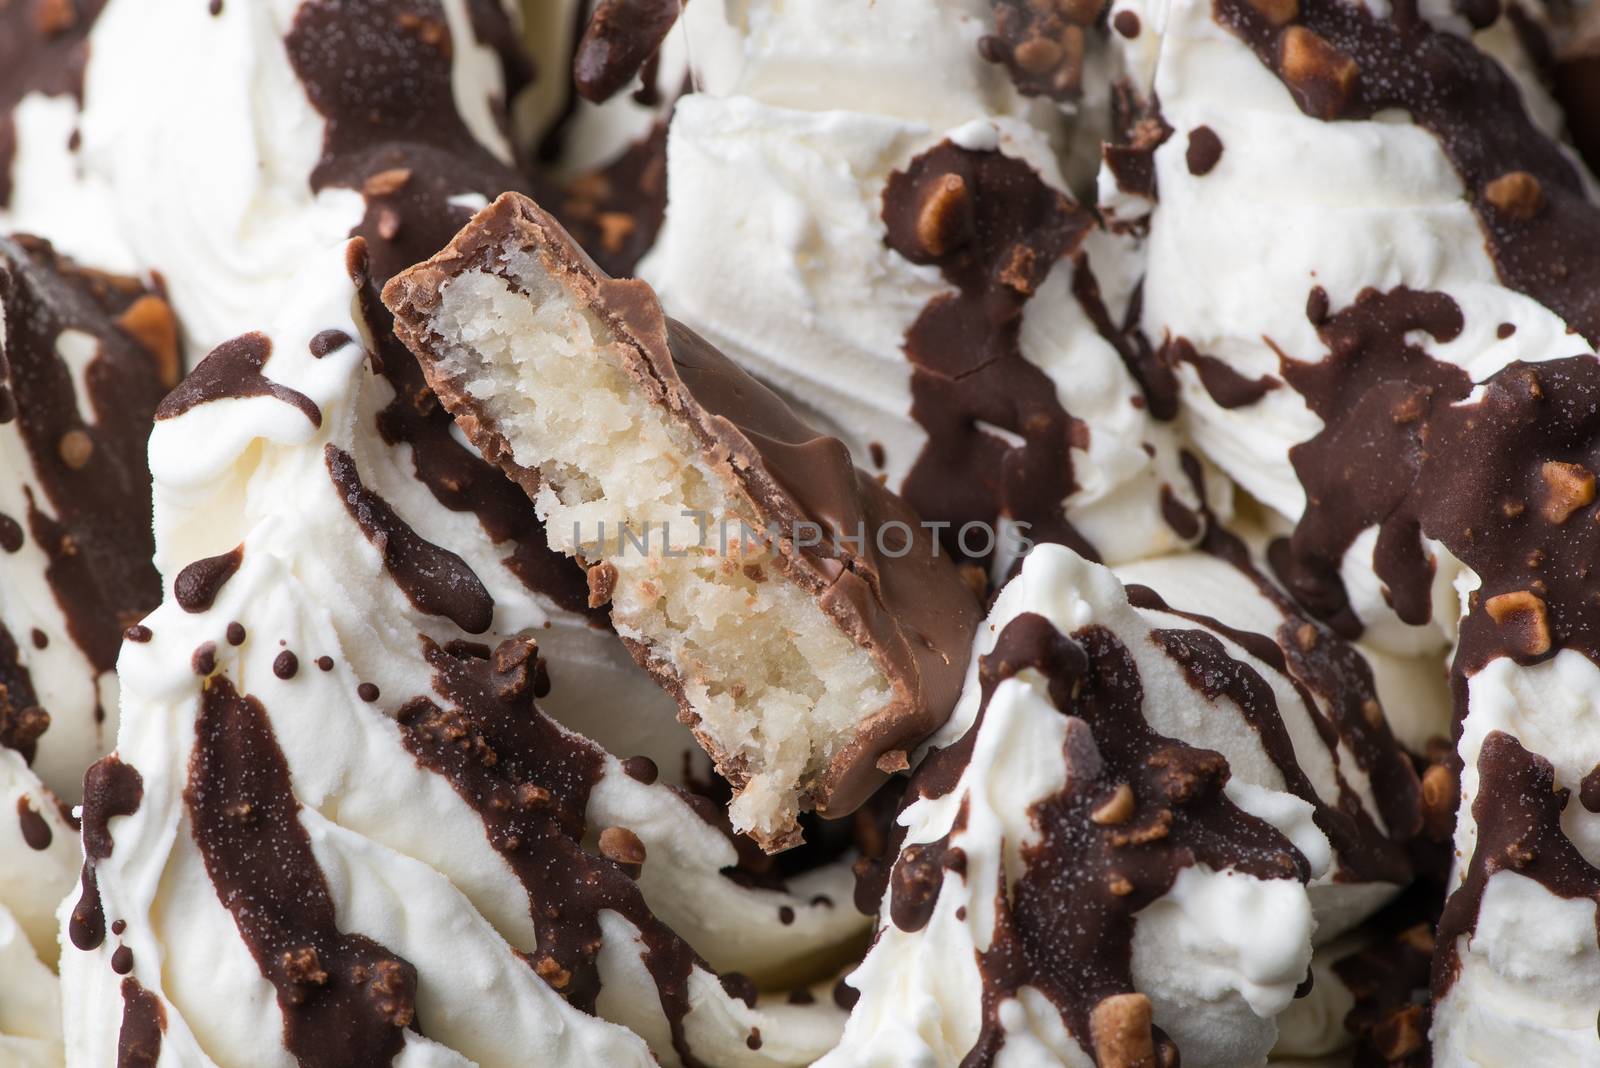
[622,845]
[304,966]
[602,583]
[1277,12]
[551,971]
[943,221]
[76,447]
[54,16]
[385,182]
[1321,76]
[1400,1035]
[1439,796]
[1119,885]
[1120,1027]
[615,229]
[1516,195]
[1524,615]
[892,761]
[152,324]
[1117,809]
[1037,55]
[1372,712]
[1570,487]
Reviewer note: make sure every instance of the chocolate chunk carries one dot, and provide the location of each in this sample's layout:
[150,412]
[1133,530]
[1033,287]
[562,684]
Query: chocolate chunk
[197,585]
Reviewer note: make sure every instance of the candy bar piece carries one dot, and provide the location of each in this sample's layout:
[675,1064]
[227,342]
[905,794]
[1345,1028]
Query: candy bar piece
[802,615]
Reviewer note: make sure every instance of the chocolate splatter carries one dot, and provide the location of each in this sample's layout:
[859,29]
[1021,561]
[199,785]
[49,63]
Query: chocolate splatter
[435,580]
[110,788]
[1205,149]
[994,229]
[144,1021]
[233,370]
[1341,62]
[35,831]
[529,781]
[197,585]
[345,999]
[1137,130]
[1227,387]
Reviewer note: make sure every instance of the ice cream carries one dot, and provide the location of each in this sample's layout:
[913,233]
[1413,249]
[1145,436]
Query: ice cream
[874,220]
[810,626]
[339,678]
[1305,180]
[38,854]
[1121,846]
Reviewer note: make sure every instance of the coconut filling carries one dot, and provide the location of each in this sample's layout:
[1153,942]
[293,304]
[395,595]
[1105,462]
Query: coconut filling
[777,687]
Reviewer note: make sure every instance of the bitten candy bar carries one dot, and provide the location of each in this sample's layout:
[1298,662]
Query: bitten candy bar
[803,616]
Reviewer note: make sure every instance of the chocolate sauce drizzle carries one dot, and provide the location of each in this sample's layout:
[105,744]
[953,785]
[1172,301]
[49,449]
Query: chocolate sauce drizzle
[621,38]
[22,721]
[345,999]
[379,72]
[233,370]
[144,1021]
[1065,927]
[435,580]
[1340,61]
[994,229]
[110,788]
[1518,810]
[529,781]
[88,453]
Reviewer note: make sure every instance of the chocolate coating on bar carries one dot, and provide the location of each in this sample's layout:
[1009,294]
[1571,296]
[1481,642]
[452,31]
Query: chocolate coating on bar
[1340,61]
[1065,926]
[620,39]
[379,73]
[44,45]
[435,580]
[529,780]
[87,453]
[912,613]
[344,998]
[994,229]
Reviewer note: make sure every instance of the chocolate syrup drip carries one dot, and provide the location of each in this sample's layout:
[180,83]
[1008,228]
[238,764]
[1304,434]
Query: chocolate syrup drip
[1147,366]
[1227,387]
[22,721]
[43,49]
[197,585]
[35,831]
[379,72]
[345,999]
[994,229]
[1137,129]
[144,1021]
[1065,926]
[1376,393]
[1518,811]
[1389,980]
[1340,61]
[435,580]
[622,36]
[233,370]
[110,788]
[1365,854]
[87,453]
[529,781]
